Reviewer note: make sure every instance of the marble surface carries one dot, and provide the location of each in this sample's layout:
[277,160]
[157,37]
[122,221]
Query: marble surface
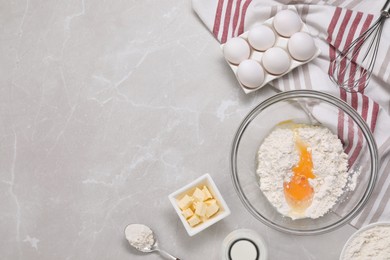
[106,107]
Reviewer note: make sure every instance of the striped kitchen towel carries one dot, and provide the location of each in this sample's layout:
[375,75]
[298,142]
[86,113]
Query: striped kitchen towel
[333,24]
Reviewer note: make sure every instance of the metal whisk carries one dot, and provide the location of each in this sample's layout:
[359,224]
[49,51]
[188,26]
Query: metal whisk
[344,70]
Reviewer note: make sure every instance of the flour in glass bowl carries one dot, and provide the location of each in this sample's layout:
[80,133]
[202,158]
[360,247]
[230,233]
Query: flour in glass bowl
[291,149]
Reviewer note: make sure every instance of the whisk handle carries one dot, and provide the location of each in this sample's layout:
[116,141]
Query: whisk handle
[386,9]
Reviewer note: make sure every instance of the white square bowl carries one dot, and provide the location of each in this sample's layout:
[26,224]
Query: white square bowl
[205,179]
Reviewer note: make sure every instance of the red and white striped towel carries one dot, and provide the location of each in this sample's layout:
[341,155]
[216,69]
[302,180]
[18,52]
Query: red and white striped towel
[334,24]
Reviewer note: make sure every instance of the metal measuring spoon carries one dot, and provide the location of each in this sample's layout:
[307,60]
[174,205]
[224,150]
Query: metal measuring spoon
[142,238]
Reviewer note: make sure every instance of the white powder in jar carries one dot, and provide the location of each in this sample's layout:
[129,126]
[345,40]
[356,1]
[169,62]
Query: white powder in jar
[278,155]
[373,243]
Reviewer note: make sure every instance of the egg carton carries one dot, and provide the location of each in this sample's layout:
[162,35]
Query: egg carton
[257,55]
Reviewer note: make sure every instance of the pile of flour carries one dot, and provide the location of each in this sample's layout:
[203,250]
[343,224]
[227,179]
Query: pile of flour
[373,243]
[278,155]
[139,236]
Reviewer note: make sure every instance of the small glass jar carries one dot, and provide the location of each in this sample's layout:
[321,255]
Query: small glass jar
[244,244]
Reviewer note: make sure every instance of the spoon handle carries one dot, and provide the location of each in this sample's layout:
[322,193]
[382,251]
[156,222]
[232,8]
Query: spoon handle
[169,256]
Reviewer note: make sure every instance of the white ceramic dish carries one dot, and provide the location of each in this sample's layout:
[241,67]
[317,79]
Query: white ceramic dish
[360,231]
[256,55]
[205,179]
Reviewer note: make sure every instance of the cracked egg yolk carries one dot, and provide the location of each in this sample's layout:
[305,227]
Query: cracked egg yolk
[298,191]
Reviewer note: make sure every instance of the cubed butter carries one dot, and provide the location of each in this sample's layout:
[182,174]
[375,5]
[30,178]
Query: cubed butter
[192,207]
[200,208]
[194,220]
[187,213]
[185,202]
[203,219]
[211,208]
[198,194]
[207,194]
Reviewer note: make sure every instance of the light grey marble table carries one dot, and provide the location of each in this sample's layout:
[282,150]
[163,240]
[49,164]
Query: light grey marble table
[106,108]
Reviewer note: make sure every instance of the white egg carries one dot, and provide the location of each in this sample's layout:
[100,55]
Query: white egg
[261,37]
[301,46]
[236,50]
[250,73]
[287,22]
[276,61]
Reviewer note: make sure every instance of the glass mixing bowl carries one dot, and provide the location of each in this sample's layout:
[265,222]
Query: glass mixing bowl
[308,107]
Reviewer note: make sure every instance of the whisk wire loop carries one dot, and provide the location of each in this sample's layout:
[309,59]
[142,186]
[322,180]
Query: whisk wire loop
[346,70]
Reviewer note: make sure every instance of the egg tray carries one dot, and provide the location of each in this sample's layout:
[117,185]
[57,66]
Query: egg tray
[281,42]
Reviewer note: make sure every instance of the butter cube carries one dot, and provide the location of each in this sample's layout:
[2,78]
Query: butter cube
[185,202]
[198,195]
[207,194]
[204,219]
[200,208]
[187,213]
[211,208]
[194,220]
